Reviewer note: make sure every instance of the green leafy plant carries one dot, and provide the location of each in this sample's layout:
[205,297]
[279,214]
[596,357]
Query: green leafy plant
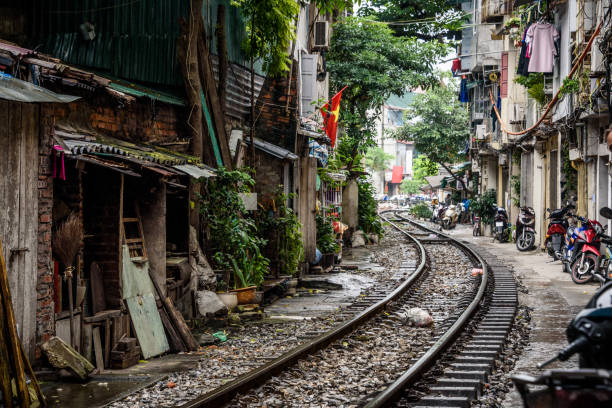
[377,159]
[411,186]
[515,182]
[232,235]
[279,224]
[442,127]
[421,211]
[326,238]
[569,86]
[512,22]
[534,83]
[367,208]
[373,64]
[484,206]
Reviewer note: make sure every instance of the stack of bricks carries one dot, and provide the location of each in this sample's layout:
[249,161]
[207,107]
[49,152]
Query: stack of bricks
[45,313]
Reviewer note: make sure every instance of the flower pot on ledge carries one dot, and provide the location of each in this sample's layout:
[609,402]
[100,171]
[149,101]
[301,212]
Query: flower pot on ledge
[246,296]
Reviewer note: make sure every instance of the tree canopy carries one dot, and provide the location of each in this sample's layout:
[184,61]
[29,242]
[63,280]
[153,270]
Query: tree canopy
[410,186]
[372,63]
[423,167]
[377,159]
[440,126]
[424,19]
[270,28]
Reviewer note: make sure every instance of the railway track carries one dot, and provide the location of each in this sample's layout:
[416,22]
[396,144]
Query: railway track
[333,363]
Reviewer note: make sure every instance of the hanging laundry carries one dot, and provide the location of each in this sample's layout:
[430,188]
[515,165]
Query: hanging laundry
[523,64]
[541,39]
[463,91]
[456,67]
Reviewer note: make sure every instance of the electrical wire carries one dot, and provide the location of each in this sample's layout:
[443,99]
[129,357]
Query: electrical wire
[116,6]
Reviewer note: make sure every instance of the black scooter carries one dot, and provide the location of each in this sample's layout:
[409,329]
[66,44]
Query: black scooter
[589,335]
[501,224]
[525,231]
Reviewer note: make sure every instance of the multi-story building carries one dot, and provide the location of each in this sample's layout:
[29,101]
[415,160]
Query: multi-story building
[542,157]
[390,119]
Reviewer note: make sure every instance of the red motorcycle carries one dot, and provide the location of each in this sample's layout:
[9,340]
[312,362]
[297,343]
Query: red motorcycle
[586,258]
[557,227]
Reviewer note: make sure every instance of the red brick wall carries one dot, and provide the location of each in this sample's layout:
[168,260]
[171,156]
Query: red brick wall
[45,314]
[275,123]
[139,121]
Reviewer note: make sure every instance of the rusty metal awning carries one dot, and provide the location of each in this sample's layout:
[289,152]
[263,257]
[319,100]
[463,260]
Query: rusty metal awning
[128,157]
[14,89]
[273,149]
[195,171]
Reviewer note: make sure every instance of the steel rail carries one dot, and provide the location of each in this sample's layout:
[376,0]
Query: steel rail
[394,392]
[248,381]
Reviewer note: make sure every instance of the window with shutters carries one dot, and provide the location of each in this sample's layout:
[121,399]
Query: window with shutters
[504,75]
[308,82]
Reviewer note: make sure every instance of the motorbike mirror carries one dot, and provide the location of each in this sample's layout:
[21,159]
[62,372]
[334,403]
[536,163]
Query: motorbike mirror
[606,212]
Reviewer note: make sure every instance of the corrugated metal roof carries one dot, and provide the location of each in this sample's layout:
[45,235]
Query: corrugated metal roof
[14,89]
[81,143]
[141,91]
[195,171]
[135,40]
[273,149]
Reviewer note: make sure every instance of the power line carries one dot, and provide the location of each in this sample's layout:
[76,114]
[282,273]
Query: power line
[116,6]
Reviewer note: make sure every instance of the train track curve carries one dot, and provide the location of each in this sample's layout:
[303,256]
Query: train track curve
[487,309]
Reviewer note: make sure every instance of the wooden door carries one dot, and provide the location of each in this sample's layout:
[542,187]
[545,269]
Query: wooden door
[19,214]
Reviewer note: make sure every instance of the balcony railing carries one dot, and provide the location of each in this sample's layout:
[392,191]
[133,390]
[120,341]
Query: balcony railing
[495,10]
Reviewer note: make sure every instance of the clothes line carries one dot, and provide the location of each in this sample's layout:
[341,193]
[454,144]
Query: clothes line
[478,53]
[554,100]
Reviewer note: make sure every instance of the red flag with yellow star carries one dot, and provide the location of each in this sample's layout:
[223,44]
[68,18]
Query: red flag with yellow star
[330,117]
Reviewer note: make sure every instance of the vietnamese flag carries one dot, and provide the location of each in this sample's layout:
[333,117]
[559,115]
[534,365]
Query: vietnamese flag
[330,117]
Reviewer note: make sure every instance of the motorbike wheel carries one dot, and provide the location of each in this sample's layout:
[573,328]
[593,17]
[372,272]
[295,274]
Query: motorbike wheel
[549,248]
[586,274]
[525,241]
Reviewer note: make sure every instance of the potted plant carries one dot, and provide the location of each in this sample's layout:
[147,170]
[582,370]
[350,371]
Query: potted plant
[232,234]
[326,241]
[513,22]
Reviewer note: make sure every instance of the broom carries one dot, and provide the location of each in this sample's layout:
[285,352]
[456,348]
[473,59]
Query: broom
[66,244]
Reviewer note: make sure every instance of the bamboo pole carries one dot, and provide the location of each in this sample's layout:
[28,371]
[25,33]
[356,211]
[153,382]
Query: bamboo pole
[5,371]
[12,341]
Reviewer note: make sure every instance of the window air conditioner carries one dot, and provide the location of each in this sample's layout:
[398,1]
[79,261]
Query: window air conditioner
[321,35]
[481,132]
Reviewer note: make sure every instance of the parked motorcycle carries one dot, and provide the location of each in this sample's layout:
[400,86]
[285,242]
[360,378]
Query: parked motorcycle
[586,255]
[557,227]
[525,231]
[589,335]
[450,217]
[501,224]
[588,260]
[476,230]
[438,213]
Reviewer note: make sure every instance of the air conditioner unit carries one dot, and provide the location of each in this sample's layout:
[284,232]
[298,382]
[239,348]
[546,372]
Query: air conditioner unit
[481,132]
[321,35]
